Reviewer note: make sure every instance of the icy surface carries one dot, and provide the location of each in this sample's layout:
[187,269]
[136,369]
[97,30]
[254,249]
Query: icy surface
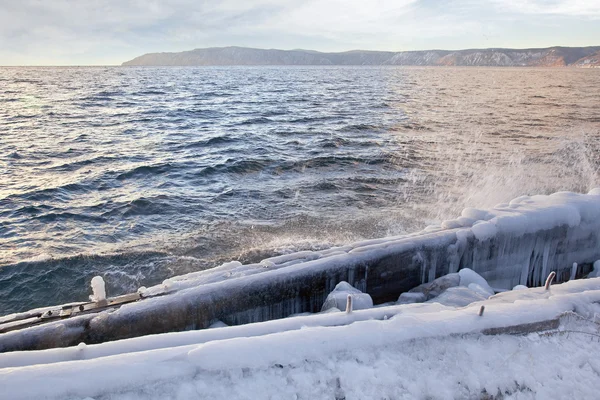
[410,297]
[458,296]
[438,350]
[596,271]
[431,289]
[339,296]
[469,277]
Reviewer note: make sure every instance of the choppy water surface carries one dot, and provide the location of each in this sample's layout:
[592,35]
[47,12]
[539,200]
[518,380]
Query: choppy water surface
[142,173]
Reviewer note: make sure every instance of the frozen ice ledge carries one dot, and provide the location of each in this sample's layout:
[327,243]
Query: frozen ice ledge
[517,243]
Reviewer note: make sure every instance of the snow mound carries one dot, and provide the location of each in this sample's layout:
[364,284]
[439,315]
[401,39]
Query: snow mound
[468,277]
[475,214]
[339,296]
[484,230]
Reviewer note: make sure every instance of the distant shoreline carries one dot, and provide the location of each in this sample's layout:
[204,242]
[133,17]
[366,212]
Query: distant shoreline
[581,57]
[524,67]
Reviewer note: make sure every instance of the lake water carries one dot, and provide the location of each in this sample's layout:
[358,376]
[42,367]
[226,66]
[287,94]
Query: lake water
[138,174]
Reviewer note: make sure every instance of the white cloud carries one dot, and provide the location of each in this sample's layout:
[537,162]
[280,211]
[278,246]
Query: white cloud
[576,8]
[115,30]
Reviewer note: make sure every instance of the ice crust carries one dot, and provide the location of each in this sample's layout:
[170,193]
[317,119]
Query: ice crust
[98,289]
[368,352]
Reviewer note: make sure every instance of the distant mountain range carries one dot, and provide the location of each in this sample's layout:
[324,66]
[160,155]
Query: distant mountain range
[549,57]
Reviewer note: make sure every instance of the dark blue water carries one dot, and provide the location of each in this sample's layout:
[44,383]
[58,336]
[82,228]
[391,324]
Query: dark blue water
[138,174]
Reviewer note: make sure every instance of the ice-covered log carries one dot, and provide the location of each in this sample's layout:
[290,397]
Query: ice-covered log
[516,243]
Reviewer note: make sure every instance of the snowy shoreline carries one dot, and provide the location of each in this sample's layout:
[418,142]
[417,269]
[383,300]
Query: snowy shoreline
[442,332]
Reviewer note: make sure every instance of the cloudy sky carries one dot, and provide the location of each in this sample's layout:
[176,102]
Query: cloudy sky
[84,32]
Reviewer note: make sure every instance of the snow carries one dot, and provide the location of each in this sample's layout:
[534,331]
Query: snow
[484,230]
[526,214]
[436,368]
[98,289]
[339,296]
[475,214]
[423,351]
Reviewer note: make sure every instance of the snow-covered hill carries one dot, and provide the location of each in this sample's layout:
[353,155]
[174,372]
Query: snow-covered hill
[547,57]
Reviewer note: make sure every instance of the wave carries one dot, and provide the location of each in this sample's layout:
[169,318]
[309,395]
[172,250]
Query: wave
[145,170]
[360,128]
[157,205]
[214,141]
[74,166]
[47,194]
[150,92]
[237,167]
[328,161]
[254,121]
[195,113]
[69,216]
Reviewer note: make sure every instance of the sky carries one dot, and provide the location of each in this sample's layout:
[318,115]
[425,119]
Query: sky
[107,32]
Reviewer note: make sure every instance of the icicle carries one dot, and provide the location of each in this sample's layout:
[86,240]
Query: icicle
[481,310]
[349,304]
[573,271]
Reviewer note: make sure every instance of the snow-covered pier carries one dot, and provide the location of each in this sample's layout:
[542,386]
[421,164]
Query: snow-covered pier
[518,243]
